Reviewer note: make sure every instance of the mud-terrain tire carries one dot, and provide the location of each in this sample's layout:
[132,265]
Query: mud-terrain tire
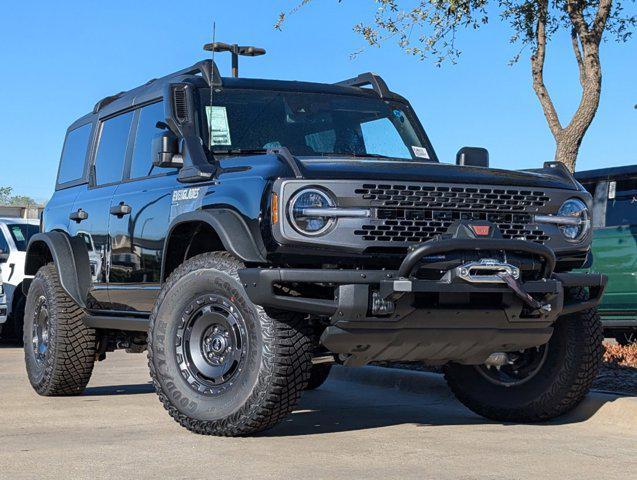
[271,358]
[573,356]
[61,363]
[318,375]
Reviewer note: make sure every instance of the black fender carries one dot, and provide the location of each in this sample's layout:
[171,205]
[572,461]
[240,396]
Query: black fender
[70,257]
[233,231]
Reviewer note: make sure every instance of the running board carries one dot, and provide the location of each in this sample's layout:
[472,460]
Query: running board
[111,322]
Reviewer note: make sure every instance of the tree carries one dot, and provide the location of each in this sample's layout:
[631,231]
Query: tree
[427,29]
[6,198]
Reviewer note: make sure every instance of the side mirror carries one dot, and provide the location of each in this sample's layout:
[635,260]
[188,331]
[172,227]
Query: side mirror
[473,157]
[165,150]
[3,256]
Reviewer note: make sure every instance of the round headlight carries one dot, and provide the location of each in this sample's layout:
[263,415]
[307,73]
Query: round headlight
[300,211]
[577,209]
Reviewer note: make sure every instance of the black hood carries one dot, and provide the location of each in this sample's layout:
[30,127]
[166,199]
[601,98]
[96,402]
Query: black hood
[411,171]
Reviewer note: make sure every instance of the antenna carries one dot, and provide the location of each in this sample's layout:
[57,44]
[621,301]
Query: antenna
[212,73]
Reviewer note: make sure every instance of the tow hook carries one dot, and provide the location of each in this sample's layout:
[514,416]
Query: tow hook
[515,285]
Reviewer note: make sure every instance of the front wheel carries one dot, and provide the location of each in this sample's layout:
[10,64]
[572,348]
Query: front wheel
[536,384]
[220,364]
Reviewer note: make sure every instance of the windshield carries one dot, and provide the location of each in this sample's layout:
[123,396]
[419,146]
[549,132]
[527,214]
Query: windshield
[21,233]
[311,124]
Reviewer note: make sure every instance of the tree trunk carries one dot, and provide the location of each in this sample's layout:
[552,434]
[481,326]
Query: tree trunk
[566,150]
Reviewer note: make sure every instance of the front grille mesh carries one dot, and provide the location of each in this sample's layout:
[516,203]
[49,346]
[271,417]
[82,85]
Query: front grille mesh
[416,213]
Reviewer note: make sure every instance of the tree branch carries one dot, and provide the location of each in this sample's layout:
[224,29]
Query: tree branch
[537,71]
[578,56]
[603,11]
[574,8]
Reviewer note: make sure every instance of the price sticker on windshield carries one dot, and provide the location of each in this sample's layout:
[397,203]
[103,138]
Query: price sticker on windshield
[219,127]
[420,152]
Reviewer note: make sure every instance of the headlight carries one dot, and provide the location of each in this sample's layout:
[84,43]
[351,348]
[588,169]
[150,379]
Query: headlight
[576,209]
[310,198]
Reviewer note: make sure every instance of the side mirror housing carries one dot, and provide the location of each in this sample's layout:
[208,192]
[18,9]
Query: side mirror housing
[165,150]
[3,256]
[473,157]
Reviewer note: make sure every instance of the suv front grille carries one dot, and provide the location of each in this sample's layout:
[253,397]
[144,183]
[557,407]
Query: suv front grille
[435,196]
[416,213]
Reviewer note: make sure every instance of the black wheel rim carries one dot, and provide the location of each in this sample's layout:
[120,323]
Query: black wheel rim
[211,344]
[523,365]
[40,330]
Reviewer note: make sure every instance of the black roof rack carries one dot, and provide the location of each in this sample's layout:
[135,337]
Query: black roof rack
[206,68]
[368,78]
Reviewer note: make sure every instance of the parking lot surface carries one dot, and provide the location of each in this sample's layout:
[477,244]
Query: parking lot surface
[118,429]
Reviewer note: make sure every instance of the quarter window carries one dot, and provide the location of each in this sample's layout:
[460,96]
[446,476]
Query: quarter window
[74,154]
[142,162]
[111,152]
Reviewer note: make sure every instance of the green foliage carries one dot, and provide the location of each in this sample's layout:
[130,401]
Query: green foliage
[6,198]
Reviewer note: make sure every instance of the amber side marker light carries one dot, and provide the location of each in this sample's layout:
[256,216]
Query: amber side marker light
[274,206]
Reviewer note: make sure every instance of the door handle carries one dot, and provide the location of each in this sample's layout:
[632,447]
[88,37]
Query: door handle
[120,210]
[78,216]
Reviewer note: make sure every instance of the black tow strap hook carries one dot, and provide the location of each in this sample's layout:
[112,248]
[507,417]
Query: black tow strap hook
[518,289]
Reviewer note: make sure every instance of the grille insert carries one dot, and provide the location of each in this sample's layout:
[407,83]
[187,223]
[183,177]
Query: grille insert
[412,213]
[437,196]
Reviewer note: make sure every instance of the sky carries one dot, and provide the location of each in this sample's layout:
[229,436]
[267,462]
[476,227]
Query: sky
[58,58]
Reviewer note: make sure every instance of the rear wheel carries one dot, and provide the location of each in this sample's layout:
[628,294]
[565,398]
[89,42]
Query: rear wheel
[539,383]
[59,349]
[220,364]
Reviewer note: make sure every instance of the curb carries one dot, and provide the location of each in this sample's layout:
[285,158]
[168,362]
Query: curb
[597,407]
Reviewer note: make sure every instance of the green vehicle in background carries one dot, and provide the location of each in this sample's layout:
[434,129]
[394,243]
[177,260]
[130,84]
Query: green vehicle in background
[614,246]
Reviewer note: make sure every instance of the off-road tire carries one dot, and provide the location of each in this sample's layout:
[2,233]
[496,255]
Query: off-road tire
[277,363]
[573,358]
[68,363]
[318,375]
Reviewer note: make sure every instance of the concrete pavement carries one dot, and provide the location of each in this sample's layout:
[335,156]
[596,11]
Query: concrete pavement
[118,429]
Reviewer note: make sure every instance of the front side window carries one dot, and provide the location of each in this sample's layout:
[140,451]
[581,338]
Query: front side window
[21,234]
[142,162]
[621,208]
[111,151]
[311,124]
[74,154]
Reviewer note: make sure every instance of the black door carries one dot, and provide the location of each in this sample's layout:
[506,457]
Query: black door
[91,209]
[140,218]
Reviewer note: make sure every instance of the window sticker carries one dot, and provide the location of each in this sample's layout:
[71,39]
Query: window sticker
[612,189]
[420,152]
[219,128]
[17,233]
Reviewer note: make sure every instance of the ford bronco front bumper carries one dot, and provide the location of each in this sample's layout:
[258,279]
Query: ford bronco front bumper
[465,316]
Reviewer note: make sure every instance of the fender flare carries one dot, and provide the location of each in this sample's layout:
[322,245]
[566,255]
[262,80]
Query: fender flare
[233,231]
[70,257]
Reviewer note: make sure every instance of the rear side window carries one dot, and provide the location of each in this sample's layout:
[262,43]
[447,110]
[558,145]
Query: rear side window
[142,162]
[621,208]
[111,151]
[74,154]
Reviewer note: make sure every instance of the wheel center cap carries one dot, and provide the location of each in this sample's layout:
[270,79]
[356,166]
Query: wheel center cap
[218,344]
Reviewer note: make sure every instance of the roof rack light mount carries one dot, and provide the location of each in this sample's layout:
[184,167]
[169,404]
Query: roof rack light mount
[235,50]
[371,79]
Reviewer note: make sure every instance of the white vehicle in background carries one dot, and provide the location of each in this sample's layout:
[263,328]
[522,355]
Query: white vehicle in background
[3,303]
[14,237]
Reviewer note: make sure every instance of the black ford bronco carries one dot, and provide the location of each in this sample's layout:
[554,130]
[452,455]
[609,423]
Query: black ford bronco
[251,233]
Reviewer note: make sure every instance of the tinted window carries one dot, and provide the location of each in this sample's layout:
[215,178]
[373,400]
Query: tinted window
[21,234]
[74,154]
[4,246]
[141,165]
[111,152]
[622,210]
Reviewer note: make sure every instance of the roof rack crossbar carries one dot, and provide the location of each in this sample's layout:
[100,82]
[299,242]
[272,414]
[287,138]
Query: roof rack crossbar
[368,78]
